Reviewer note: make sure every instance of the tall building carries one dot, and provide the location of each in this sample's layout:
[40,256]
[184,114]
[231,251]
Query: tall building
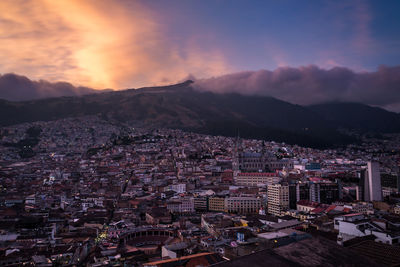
[325,192]
[297,192]
[292,196]
[278,199]
[391,180]
[370,182]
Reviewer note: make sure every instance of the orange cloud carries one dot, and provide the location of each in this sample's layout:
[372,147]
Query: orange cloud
[97,43]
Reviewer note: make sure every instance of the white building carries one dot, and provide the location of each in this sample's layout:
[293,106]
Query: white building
[181,205]
[256,178]
[179,188]
[361,207]
[357,225]
[278,199]
[371,182]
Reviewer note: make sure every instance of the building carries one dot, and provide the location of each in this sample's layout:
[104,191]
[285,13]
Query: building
[216,204]
[396,209]
[370,182]
[179,188]
[200,259]
[286,164]
[252,161]
[181,205]
[312,166]
[256,178]
[320,192]
[297,192]
[361,207]
[388,191]
[352,191]
[263,161]
[306,206]
[390,180]
[201,203]
[158,215]
[278,199]
[357,225]
[227,177]
[243,205]
[324,192]
[292,196]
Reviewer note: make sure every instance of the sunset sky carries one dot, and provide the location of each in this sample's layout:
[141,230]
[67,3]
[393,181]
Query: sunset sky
[123,44]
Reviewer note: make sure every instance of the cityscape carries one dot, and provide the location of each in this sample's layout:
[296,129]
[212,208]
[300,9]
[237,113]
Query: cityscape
[199,133]
[96,192]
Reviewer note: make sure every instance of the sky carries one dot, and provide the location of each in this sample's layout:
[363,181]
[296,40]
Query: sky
[129,44]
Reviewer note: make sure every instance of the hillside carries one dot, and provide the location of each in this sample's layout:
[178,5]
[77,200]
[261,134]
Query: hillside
[359,117]
[180,106]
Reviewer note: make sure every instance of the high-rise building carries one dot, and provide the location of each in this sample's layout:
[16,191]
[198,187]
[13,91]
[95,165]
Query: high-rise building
[292,195]
[297,192]
[324,192]
[278,199]
[370,182]
[391,180]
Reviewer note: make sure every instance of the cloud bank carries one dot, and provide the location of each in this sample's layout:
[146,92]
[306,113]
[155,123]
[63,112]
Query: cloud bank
[97,43]
[17,88]
[311,84]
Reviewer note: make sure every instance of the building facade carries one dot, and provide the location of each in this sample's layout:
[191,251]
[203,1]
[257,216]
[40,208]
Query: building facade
[201,203]
[216,204]
[181,205]
[256,178]
[278,199]
[243,205]
[370,182]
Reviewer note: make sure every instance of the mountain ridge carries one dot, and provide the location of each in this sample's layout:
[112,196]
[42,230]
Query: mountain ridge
[182,106]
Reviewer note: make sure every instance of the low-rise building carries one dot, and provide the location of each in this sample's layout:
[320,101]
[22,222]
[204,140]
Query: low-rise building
[357,225]
[216,204]
[201,203]
[181,205]
[243,205]
[256,178]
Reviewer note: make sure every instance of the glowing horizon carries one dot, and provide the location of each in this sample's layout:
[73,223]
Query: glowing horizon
[130,44]
[91,43]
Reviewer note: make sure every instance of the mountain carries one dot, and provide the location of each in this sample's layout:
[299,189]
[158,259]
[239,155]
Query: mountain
[181,106]
[19,88]
[359,117]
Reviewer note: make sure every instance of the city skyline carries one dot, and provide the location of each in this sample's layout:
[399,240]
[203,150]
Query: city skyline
[155,133]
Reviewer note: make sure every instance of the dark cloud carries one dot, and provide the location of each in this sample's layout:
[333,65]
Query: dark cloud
[17,88]
[312,85]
